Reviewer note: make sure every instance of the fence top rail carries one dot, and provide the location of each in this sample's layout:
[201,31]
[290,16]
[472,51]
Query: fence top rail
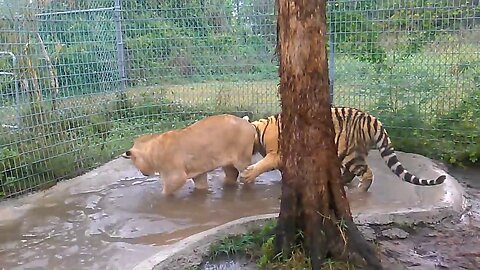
[74,11]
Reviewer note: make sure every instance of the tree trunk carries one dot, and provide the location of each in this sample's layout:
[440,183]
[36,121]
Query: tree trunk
[313,198]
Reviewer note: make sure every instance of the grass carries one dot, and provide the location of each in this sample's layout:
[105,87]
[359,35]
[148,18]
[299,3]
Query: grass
[194,267]
[257,245]
[248,243]
[259,96]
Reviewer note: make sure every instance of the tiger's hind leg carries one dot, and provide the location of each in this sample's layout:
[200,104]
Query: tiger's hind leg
[366,177]
[347,176]
[347,179]
[357,166]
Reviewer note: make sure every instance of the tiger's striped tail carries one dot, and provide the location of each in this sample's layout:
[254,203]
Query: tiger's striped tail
[387,152]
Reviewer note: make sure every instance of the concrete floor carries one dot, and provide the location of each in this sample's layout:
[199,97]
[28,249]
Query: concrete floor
[113,218]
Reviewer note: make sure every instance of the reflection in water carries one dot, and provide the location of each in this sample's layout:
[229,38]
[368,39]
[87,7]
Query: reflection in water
[124,222]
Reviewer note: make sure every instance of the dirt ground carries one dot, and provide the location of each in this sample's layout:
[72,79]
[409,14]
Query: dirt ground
[451,244]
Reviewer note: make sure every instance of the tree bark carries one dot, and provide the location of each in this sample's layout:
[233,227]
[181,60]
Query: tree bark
[313,198]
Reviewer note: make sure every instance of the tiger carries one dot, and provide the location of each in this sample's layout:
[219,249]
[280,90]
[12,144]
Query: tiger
[356,132]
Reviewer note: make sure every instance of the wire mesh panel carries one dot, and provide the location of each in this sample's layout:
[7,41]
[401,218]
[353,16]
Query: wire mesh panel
[92,75]
[210,48]
[414,64]
[80,79]
[54,110]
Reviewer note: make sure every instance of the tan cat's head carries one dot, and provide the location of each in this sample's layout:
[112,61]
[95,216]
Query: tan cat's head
[139,155]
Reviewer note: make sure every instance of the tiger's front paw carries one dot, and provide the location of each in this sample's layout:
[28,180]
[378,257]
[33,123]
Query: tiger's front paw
[248,175]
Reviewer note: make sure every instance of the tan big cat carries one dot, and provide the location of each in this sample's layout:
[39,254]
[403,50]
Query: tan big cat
[216,141]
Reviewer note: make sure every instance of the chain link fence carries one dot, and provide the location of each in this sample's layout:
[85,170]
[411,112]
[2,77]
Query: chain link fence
[80,79]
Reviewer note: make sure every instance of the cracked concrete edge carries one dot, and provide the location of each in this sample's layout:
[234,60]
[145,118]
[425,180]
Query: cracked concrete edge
[192,250]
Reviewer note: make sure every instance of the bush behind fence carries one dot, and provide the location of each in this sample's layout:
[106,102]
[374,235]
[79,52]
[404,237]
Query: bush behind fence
[66,107]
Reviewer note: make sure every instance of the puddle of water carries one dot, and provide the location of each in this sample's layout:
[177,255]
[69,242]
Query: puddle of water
[119,224]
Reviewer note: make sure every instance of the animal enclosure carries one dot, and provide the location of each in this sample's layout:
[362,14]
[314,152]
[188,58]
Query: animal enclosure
[79,79]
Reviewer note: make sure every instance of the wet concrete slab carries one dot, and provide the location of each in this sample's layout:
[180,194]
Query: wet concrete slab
[113,218]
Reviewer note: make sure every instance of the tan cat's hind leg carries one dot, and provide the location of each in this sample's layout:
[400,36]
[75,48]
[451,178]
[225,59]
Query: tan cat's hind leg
[231,175]
[201,181]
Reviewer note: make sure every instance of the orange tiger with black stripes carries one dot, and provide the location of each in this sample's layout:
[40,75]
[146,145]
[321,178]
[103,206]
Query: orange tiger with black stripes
[356,132]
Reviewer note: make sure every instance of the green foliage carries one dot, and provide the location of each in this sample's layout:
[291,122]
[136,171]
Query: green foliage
[260,16]
[425,20]
[459,128]
[453,137]
[247,243]
[360,26]
[296,260]
[193,267]
[267,254]
[258,245]
[83,53]
[152,50]
[179,41]
[429,16]
[428,100]
[224,56]
[8,158]
[79,73]
[7,86]
[437,122]
[354,33]
[406,128]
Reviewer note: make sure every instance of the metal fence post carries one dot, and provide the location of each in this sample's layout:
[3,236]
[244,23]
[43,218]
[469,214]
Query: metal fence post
[117,13]
[15,80]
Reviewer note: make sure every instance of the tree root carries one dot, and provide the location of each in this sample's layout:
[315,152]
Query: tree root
[325,237]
